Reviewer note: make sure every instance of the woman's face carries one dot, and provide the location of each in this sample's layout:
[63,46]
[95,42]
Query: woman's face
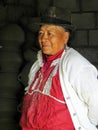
[52,39]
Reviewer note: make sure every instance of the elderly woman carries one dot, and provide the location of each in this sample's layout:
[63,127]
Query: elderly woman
[62,90]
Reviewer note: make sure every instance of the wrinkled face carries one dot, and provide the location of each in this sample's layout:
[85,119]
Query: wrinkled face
[52,39]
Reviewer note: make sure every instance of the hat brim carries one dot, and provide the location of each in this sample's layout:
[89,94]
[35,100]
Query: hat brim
[55,21]
[65,26]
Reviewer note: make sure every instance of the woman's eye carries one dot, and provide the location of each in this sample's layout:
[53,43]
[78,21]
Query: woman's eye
[50,33]
[40,33]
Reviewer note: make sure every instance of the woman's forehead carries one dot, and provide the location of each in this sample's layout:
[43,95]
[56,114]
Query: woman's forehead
[47,26]
[51,27]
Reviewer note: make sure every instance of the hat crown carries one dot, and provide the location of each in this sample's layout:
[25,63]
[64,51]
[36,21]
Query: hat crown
[51,12]
[58,13]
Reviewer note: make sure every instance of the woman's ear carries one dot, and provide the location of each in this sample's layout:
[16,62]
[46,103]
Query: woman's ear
[66,37]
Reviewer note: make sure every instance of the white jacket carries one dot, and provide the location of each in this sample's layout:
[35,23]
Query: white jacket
[79,83]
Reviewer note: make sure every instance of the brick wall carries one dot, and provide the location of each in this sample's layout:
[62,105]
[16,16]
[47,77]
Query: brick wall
[22,13]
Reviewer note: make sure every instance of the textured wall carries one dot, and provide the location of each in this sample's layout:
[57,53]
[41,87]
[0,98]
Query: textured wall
[17,57]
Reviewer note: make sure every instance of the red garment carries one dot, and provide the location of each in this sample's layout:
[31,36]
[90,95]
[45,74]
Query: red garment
[40,111]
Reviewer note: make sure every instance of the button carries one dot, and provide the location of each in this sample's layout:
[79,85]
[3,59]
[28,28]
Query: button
[74,114]
[79,128]
[67,98]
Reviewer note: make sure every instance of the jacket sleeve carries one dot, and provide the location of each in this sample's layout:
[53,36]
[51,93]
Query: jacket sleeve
[86,86]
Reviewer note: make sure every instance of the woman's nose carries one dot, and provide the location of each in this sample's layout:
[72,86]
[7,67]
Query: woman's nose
[45,36]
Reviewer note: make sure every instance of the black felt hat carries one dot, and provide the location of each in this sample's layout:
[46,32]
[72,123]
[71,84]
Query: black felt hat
[56,16]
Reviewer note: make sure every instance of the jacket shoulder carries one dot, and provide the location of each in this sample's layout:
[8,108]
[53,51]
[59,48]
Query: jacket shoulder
[73,62]
[74,58]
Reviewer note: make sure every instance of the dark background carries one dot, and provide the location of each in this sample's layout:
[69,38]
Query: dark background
[18,46]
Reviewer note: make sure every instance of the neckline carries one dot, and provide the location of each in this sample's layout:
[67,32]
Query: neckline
[48,58]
